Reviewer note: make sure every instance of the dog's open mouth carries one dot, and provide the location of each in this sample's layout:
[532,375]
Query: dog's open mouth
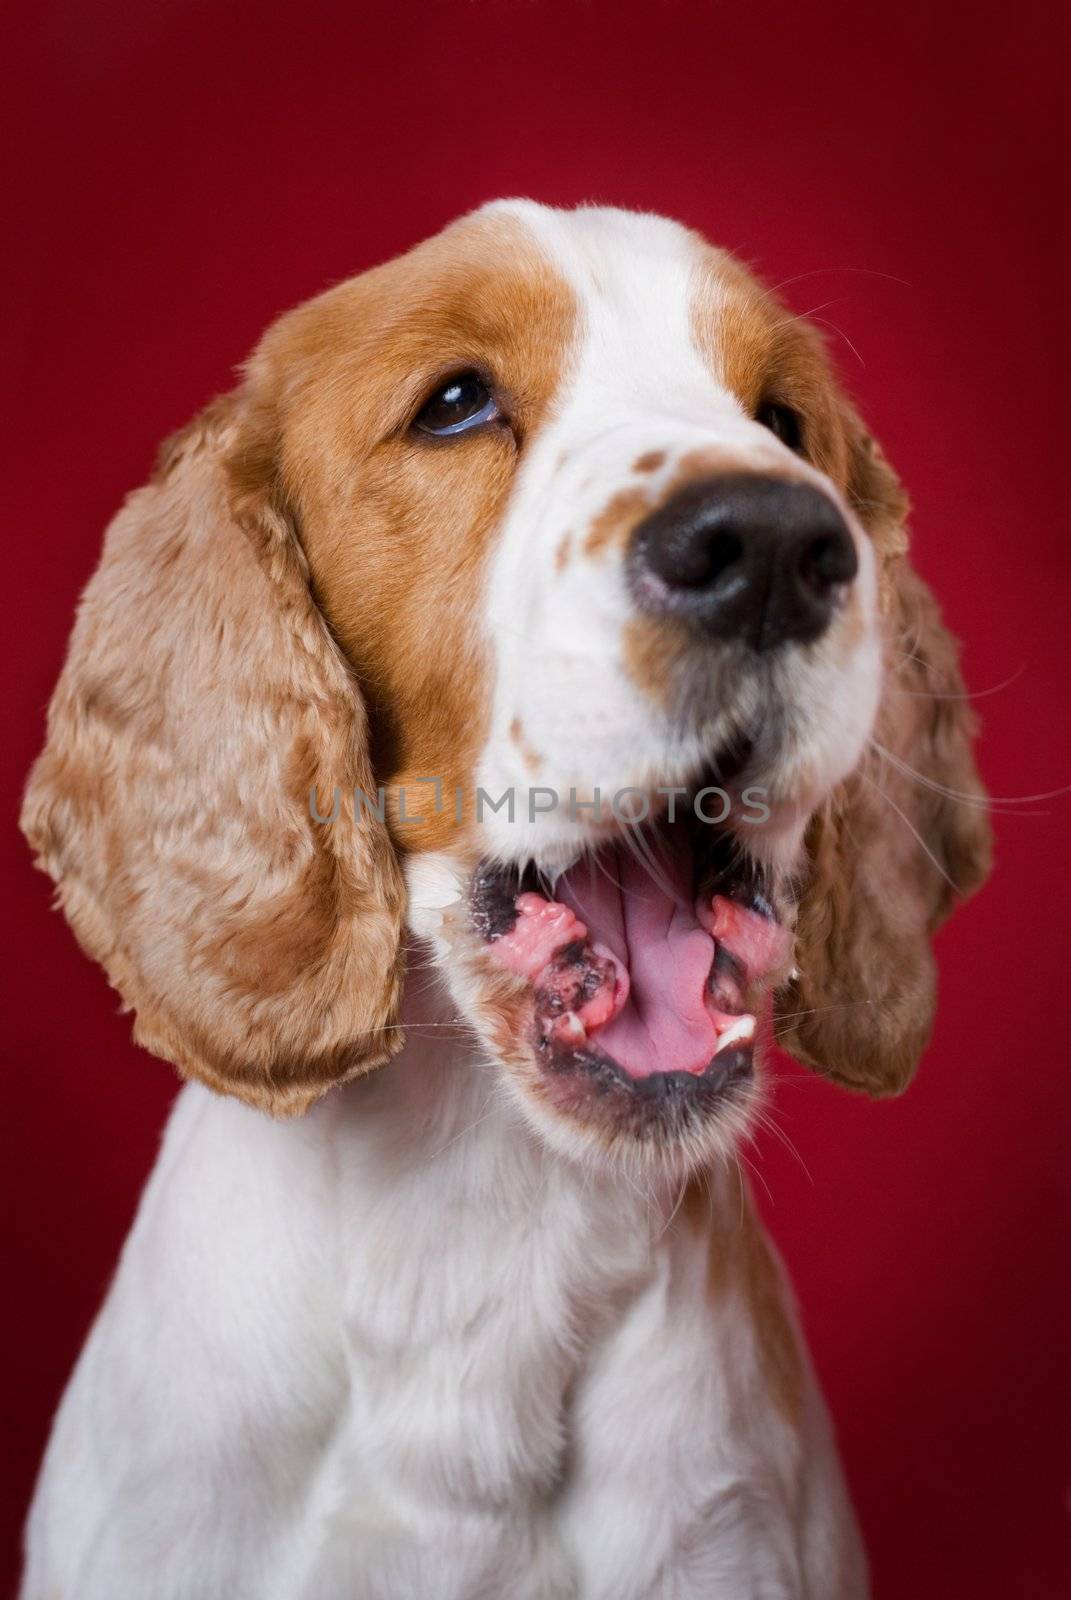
[646,959]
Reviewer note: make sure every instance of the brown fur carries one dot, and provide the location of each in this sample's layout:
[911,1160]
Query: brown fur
[658,653]
[741,1261]
[888,858]
[877,878]
[201,699]
[292,560]
[763,353]
[397,529]
[762,1282]
[611,529]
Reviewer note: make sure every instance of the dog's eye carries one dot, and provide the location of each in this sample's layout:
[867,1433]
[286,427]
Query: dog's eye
[783,423]
[463,402]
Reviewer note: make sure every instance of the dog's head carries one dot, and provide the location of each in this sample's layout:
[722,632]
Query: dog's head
[544,581]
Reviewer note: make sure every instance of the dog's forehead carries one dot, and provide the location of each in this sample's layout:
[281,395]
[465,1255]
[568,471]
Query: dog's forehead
[605,252]
[649,293]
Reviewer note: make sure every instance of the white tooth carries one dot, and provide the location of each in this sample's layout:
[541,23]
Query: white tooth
[742,1031]
[571,1028]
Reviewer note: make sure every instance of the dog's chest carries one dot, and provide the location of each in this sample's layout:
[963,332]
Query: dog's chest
[478,1293]
[530,1354]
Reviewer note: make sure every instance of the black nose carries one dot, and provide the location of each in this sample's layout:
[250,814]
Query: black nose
[744,557]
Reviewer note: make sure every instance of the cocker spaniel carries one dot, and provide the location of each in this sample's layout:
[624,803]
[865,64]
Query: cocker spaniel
[500,703]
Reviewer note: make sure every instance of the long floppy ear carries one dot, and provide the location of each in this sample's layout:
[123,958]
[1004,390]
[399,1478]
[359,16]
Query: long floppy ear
[897,844]
[201,701]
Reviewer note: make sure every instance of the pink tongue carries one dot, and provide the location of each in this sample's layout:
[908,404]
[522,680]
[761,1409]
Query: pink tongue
[645,917]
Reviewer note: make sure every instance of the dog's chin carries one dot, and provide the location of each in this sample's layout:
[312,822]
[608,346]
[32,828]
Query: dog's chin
[635,987]
[667,1126]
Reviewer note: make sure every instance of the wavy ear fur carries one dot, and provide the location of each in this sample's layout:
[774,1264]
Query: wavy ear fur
[201,699]
[898,843]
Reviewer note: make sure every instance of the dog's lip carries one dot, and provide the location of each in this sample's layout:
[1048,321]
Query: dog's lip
[661,1112]
[729,1068]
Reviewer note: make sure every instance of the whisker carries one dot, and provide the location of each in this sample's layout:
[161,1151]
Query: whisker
[813,1011]
[485,1117]
[752,1168]
[766,1120]
[641,848]
[983,803]
[841,333]
[640,1196]
[910,826]
[413,1027]
[798,316]
[669,1220]
[819,272]
[911,637]
[977,694]
[740,1185]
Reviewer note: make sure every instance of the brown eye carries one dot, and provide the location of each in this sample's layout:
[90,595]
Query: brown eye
[462,403]
[783,423]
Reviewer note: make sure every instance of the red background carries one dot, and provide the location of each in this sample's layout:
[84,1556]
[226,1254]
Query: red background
[185,170]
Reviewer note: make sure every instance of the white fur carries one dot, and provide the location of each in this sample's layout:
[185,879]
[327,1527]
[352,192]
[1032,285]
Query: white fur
[400,1348]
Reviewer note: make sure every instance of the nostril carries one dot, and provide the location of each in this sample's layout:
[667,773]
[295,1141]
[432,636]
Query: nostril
[725,551]
[827,561]
[700,563]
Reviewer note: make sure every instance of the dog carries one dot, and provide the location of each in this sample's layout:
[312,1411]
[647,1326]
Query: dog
[486,708]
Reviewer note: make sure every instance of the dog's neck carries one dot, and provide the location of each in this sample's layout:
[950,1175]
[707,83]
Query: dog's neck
[441,1123]
[472,1252]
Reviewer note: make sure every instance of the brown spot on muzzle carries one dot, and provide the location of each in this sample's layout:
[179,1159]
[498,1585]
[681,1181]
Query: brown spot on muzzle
[656,652]
[529,755]
[614,524]
[705,465]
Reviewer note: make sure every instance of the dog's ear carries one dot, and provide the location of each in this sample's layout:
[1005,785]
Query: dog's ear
[201,703]
[900,841]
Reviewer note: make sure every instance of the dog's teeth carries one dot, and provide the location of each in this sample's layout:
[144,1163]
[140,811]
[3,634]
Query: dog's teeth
[742,1031]
[571,1030]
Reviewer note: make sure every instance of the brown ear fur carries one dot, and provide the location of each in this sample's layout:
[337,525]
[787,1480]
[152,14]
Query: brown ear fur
[890,853]
[201,699]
